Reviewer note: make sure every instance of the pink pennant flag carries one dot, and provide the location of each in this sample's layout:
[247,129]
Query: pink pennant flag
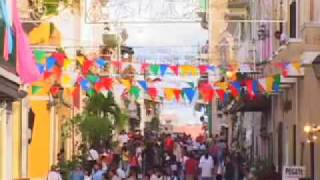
[26,64]
[5,46]
[175,69]
[203,69]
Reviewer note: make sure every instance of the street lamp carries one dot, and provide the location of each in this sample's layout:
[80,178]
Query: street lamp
[311,132]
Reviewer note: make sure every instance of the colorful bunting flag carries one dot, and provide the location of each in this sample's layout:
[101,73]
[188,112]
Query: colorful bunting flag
[40,56]
[135,91]
[163,69]
[169,94]
[235,89]
[51,63]
[91,92]
[107,83]
[86,67]
[85,84]
[145,68]
[143,84]
[153,93]
[221,94]
[203,69]
[93,78]
[189,92]
[54,90]
[36,90]
[101,63]
[249,84]
[175,70]
[177,94]
[126,83]
[42,68]
[269,81]
[154,68]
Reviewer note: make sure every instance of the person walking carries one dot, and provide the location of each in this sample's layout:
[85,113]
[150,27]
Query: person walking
[191,168]
[54,174]
[206,165]
[229,169]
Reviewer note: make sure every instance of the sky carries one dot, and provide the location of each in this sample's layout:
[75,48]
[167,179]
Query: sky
[156,41]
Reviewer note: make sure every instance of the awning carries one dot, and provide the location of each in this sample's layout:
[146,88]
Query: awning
[9,85]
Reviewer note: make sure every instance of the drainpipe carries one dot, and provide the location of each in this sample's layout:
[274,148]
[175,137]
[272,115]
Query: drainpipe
[295,125]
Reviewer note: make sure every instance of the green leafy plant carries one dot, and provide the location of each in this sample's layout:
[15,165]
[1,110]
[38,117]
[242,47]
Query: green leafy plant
[98,121]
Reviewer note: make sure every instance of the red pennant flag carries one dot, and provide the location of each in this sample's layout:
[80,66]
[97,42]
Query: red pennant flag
[249,84]
[107,83]
[99,86]
[203,69]
[86,67]
[221,94]
[60,57]
[47,75]
[145,68]
[57,71]
[55,90]
[175,69]
[234,91]
[177,94]
[153,93]
[76,97]
[206,92]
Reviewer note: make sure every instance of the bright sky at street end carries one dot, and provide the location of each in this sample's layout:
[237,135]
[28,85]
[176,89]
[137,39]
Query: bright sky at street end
[175,38]
[169,43]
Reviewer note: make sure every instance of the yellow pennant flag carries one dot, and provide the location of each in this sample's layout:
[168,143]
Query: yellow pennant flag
[66,81]
[80,59]
[297,66]
[126,83]
[269,82]
[169,94]
[223,85]
[68,64]
[193,70]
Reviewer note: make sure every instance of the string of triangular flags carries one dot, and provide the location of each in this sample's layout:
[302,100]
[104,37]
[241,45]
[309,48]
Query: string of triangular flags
[83,73]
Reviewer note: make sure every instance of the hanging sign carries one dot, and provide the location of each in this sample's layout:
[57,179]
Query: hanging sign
[293,172]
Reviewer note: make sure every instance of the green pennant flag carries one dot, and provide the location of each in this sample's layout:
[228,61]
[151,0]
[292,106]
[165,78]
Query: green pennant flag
[191,84]
[135,91]
[155,69]
[93,78]
[277,79]
[40,56]
[36,89]
[91,92]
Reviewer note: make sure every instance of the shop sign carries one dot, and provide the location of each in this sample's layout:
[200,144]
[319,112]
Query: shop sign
[293,172]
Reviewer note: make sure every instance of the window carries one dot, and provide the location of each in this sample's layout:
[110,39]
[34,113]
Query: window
[293,20]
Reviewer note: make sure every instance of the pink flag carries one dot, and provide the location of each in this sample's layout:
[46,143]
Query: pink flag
[5,46]
[26,64]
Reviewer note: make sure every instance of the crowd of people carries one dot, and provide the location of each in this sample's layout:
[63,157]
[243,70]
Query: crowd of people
[161,157]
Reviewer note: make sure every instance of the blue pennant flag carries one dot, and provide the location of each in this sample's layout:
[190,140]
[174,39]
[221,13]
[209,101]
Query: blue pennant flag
[256,87]
[42,68]
[163,69]
[85,85]
[101,63]
[143,84]
[51,62]
[189,92]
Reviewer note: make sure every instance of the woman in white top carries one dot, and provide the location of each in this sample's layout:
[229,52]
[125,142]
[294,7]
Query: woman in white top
[206,165]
